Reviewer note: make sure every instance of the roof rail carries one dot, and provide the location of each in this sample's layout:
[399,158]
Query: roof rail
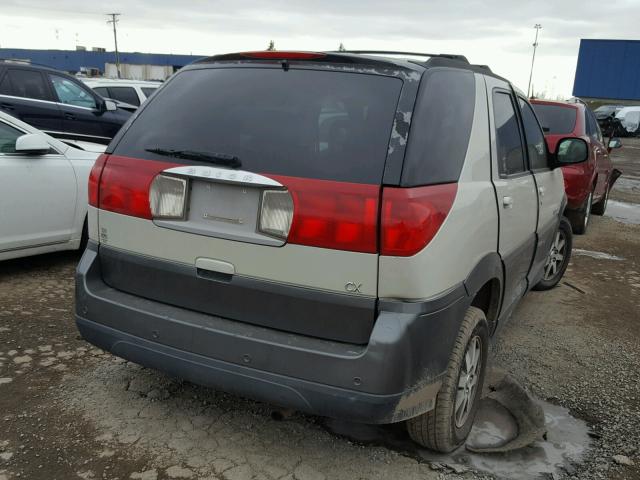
[451,56]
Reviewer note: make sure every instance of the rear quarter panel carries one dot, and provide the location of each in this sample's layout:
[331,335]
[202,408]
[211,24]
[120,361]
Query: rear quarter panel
[469,232]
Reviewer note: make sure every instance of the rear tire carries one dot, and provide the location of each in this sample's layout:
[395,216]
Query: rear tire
[558,257]
[600,207]
[580,218]
[447,426]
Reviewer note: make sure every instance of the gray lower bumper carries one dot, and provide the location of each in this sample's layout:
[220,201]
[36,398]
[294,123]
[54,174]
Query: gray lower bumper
[394,377]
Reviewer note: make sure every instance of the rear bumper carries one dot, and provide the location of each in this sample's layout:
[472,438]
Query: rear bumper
[394,377]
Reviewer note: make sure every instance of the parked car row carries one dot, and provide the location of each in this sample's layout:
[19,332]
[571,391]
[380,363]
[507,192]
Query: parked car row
[619,120]
[340,233]
[587,185]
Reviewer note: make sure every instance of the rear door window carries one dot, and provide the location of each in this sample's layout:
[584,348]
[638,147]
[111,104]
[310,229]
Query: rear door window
[26,83]
[536,147]
[556,119]
[508,139]
[124,94]
[302,123]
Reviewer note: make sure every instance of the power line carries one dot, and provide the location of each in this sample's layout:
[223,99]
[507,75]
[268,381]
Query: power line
[114,20]
[537,26]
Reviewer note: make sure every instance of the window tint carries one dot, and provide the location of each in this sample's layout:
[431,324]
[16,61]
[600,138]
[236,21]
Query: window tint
[556,118]
[27,83]
[102,91]
[508,141]
[71,93]
[314,124]
[124,94]
[8,137]
[148,91]
[593,129]
[5,86]
[440,128]
[536,147]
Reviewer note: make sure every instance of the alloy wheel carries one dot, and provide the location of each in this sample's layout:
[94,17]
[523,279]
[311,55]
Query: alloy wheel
[468,381]
[556,256]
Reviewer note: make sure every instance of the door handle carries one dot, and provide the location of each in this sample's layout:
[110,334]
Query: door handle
[69,116]
[541,191]
[507,202]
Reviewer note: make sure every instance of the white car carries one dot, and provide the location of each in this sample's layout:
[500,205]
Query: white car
[630,119]
[43,191]
[133,92]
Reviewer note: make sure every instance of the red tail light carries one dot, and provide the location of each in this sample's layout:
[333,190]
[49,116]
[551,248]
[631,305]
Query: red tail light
[411,217]
[94,179]
[278,55]
[338,215]
[124,185]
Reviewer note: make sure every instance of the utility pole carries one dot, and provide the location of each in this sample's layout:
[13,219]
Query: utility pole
[114,20]
[537,26]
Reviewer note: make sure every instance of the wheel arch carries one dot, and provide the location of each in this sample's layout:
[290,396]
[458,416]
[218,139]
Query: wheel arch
[485,285]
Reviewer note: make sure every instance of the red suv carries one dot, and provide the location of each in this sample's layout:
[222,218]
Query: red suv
[587,184]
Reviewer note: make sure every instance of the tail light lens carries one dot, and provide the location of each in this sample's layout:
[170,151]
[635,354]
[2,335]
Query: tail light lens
[411,217]
[124,185]
[94,180]
[276,213]
[167,197]
[327,214]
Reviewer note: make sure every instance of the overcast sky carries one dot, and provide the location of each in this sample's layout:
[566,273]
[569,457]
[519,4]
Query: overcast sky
[497,33]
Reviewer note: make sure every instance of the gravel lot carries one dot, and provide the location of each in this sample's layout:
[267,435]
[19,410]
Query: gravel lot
[70,411]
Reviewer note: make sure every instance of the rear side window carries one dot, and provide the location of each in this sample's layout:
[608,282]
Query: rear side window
[508,140]
[124,94]
[593,129]
[440,128]
[102,91]
[556,119]
[302,123]
[148,91]
[536,147]
[26,83]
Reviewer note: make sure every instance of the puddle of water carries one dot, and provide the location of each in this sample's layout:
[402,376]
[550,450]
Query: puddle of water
[624,212]
[596,255]
[566,442]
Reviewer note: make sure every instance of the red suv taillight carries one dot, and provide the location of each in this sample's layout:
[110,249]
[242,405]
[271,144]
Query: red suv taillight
[328,214]
[411,217]
[121,184]
[94,180]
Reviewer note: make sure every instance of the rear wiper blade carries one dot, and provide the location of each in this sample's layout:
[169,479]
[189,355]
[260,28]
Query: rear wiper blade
[223,159]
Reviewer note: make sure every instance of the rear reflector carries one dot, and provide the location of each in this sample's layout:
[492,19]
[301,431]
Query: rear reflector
[411,217]
[278,55]
[338,215]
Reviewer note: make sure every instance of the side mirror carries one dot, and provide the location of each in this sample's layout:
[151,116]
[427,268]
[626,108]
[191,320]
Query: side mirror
[569,151]
[33,144]
[109,106]
[614,142]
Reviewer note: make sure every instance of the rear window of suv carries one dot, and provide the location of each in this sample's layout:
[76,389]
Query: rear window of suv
[556,119]
[304,123]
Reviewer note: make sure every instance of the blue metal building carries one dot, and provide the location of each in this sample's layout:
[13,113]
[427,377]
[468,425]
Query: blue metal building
[72,60]
[608,69]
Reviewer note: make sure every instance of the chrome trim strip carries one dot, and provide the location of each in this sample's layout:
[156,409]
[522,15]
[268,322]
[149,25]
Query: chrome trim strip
[224,175]
[40,245]
[49,101]
[53,133]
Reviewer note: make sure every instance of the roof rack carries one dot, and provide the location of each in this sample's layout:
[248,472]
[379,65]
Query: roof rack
[451,56]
